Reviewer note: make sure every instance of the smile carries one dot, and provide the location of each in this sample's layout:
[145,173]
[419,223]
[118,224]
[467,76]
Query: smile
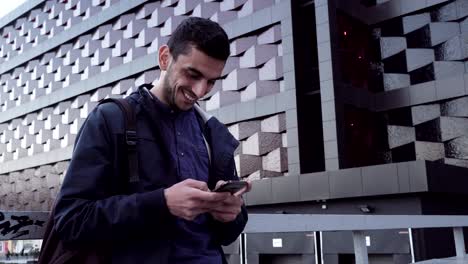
[188,97]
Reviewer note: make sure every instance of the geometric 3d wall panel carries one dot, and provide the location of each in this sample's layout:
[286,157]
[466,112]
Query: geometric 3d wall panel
[57,126]
[431,45]
[428,47]
[438,133]
[262,152]
[423,113]
[33,188]
[253,70]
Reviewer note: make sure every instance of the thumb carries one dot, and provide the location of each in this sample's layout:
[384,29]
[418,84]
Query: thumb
[219,184]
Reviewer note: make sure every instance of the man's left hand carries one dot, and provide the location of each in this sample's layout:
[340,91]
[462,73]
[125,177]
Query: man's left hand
[231,206]
[228,210]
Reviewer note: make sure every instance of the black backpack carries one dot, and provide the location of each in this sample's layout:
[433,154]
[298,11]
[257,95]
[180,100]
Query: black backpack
[53,250]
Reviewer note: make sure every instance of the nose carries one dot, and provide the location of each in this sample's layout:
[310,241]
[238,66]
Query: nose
[200,88]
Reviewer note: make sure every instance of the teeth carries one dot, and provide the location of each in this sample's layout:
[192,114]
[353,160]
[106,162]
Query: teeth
[188,97]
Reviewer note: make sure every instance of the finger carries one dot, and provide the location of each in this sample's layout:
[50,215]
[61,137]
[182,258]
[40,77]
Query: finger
[223,212]
[198,205]
[200,185]
[227,210]
[219,184]
[249,185]
[193,213]
[225,217]
[187,215]
[240,192]
[245,189]
[209,206]
[198,211]
[232,200]
[210,196]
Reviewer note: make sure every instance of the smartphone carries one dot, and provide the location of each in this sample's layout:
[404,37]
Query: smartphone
[231,186]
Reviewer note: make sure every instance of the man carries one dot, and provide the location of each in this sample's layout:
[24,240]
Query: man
[169,215]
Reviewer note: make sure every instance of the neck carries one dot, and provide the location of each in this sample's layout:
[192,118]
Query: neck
[157,91]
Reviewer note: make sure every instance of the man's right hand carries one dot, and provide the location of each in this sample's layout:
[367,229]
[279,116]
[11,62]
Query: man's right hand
[190,198]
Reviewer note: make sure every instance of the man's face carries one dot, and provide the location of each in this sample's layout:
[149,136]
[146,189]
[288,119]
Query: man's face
[189,78]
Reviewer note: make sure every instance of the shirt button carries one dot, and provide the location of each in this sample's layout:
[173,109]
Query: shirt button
[178,133]
[182,154]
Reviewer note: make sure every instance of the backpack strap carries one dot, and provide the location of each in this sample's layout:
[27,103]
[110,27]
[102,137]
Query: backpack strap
[130,135]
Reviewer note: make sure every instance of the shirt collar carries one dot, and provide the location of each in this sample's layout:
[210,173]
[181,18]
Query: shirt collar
[164,108]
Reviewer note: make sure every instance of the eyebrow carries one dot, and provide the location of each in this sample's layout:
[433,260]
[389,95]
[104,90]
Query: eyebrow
[189,68]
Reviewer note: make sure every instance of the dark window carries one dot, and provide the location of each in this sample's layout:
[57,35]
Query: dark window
[309,109]
[365,138]
[357,54]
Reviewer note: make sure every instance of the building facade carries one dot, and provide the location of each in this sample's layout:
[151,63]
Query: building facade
[341,107]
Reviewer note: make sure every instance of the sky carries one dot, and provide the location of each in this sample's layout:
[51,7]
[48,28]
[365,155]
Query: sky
[8,6]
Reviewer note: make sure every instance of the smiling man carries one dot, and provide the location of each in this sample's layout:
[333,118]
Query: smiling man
[186,77]
[170,215]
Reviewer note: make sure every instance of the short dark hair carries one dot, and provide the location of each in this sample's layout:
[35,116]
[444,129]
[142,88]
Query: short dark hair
[203,34]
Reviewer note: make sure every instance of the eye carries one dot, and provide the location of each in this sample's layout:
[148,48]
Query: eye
[193,75]
[211,82]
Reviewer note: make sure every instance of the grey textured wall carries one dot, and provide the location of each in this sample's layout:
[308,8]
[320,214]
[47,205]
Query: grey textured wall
[426,56]
[59,58]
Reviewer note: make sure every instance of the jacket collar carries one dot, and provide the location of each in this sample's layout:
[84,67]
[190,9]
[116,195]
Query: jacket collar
[204,115]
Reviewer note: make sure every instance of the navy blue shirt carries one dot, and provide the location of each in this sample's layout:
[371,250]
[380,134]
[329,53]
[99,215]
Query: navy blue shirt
[192,241]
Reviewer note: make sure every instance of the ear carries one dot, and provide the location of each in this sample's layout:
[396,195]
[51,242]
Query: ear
[164,57]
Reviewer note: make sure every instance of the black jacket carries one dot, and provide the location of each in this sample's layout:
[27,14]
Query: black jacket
[130,221]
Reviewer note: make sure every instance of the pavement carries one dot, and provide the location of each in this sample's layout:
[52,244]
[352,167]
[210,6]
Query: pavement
[17,260]
[453,260]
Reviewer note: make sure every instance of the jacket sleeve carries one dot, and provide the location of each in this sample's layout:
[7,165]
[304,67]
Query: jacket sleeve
[228,232]
[88,208]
